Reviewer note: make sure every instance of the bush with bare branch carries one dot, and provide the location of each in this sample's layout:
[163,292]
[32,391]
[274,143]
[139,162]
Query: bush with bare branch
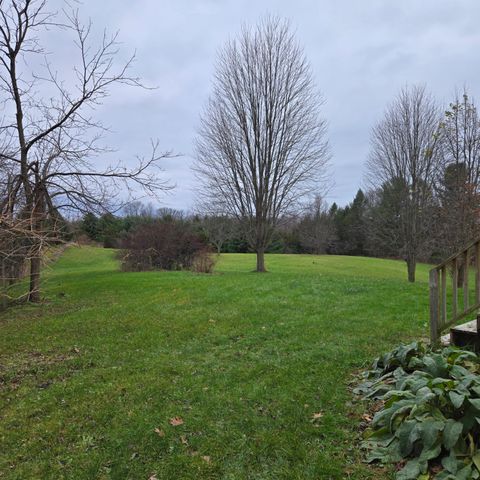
[161,245]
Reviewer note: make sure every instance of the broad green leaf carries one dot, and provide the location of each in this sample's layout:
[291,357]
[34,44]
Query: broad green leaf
[451,433]
[456,399]
[475,402]
[404,437]
[450,463]
[430,431]
[476,389]
[429,453]
[465,473]
[410,471]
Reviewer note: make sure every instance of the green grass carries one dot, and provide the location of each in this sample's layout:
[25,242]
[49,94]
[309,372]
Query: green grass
[244,359]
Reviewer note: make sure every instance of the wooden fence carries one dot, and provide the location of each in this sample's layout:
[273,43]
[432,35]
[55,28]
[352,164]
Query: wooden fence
[446,308]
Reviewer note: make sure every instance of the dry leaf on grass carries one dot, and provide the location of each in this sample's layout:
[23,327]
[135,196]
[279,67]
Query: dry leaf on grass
[317,416]
[183,439]
[153,477]
[159,432]
[206,458]
[176,421]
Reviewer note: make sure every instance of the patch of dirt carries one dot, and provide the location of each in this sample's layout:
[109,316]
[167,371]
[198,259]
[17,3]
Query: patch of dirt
[33,366]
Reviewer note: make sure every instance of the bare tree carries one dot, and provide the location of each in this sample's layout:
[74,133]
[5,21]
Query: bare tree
[50,141]
[316,228]
[218,229]
[459,184]
[405,151]
[261,145]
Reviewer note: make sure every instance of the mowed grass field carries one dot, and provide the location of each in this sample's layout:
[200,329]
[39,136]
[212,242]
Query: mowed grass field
[256,366]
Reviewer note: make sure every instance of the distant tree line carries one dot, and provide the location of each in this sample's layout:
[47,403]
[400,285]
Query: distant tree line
[422,203]
[316,229]
[372,224]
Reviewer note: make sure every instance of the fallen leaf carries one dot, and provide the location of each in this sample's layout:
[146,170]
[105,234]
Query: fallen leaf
[183,439]
[153,477]
[159,432]
[317,416]
[176,421]
[206,458]
[134,456]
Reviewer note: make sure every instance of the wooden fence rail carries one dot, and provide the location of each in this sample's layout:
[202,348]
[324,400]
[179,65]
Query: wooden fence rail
[458,267]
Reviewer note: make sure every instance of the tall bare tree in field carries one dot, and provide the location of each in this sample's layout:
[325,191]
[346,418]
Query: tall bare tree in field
[459,183]
[405,151]
[262,142]
[50,140]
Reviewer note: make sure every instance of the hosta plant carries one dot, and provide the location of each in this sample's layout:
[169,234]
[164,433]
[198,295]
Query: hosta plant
[428,423]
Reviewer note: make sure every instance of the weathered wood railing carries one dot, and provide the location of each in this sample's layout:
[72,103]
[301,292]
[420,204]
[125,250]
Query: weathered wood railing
[458,267]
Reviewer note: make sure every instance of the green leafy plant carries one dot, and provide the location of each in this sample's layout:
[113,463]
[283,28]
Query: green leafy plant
[428,422]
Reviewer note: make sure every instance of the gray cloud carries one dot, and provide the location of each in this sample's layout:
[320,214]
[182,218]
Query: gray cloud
[361,52]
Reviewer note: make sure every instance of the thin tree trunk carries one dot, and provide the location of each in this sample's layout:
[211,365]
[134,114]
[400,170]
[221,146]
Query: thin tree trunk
[411,267]
[36,258]
[261,260]
[4,287]
[35,266]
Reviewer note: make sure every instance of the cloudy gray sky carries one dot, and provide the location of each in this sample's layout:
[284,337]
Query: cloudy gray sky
[362,53]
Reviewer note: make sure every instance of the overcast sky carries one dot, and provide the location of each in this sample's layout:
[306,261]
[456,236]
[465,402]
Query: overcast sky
[362,53]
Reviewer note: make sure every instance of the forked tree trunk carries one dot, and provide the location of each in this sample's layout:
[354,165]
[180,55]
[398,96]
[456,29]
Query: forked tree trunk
[261,260]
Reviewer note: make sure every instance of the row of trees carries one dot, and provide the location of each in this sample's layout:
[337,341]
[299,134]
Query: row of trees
[315,229]
[424,170]
[370,225]
[262,151]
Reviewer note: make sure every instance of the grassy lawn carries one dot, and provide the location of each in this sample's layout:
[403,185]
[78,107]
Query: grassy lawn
[244,359]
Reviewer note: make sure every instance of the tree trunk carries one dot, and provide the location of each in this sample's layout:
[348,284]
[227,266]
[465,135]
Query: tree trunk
[411,267]
[35,266]
[261,260]
[4,291]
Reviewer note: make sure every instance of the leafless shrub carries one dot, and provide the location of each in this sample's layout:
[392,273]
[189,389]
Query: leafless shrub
[161,245]
[204,262]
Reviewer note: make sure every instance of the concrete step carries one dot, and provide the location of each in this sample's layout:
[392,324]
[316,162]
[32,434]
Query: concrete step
[466,334]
